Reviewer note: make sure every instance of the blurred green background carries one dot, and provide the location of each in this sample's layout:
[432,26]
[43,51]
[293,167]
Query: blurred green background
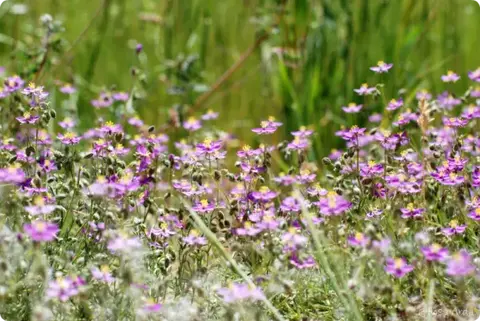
[310,56]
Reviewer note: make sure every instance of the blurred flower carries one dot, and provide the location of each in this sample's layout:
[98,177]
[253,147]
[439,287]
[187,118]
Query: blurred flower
[41,231]
[381,67]
[450,77]
[460,264]
[352,108]
[398,267]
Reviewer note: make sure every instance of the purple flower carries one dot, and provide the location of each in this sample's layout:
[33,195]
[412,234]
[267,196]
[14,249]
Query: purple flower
[316,190]
[411,212]
[301,264]
[292,239]
[67,123]
[28,118]
[12,84]
[352,135]
[248,229]
[67,89]
[375,118]
[375,212]
[264,194]
[120,96]
[434,252]
[150,306]
[447,101]
[138,48]
[405,118]
[358,239]
[290,204]
[476,176]
[453,228]
[394,104]
[455,122]
[381,67]
[103,101]
[41,231]
[303,132]
[204,206]
[475,214]
[210,115]
[123,243]
[460,264]
[194,238]
[268,222]
[62,289]
[239,292]
[333,204]
[445,177]
[69,138]
[267,127]
[398,267]
[39,207]
[371,169]
[298,144]
[352,108]
[103,274]
[13,174]
[475,93]
[192,124]
[423,95]
[365,90]
[450,77]
[208,147]
[135,121]
[474,75]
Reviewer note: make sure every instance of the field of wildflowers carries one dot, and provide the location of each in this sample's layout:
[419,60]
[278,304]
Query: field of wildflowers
[108,215]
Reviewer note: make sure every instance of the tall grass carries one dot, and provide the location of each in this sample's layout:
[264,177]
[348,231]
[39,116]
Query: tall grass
[328,46]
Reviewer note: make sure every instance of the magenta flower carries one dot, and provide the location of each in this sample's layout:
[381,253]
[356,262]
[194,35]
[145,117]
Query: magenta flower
[475,214]
[460,264]
[135,121]
[411,212]
[103,101]
[474,75]
[333,204]
[12,84]
[239,292]
[204,206]
[248,229]
[447,178]
[292,239]
[381,67]
[434,252]
[150,306]
[268,222]
[301,264]
[120,96]
[103,274]
[39,207]
[69,138]
[62,289]
[352,135]
[194,238]
[123,243]
[67,89]
[475,93]
[28,118]
[358,240]
[67,123]
[264,194]
[371,169]
[290,204]
[455,122]
[405,118]
[302,132]
[447,101]
[210,115]
[208,147]
[192,124]
[375,118]
[398,267]
[267,126]
[298,144]
[423,95]
[352,108]
[41,231]
[450,77]
[394,104]
[453,228]
[13,174]
[365,90]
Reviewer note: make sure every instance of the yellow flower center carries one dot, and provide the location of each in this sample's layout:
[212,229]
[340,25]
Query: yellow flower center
[204,202]
[39,201]
[398,263]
